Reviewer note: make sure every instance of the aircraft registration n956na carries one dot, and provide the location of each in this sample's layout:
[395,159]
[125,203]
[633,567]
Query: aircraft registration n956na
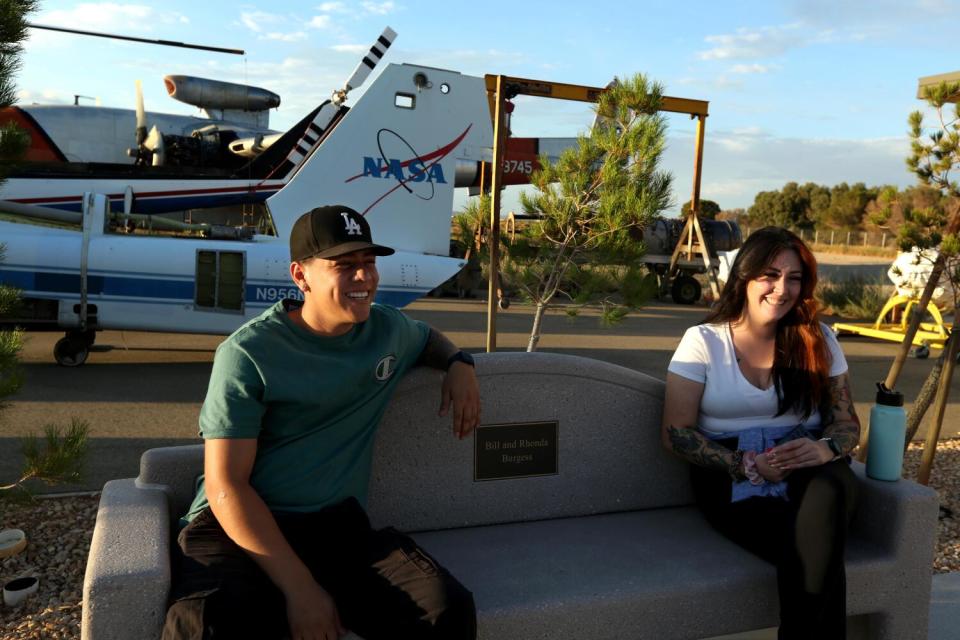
[392,157]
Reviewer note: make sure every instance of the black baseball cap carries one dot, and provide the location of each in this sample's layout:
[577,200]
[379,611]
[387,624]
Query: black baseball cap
[328,232]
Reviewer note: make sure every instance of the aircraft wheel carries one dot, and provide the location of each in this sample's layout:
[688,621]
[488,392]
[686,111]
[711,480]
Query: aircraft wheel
[922,352]
[68,353]
[685,290]
[503,303]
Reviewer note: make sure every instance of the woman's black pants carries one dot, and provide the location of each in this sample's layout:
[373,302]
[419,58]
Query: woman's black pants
[384,585]
[803,536]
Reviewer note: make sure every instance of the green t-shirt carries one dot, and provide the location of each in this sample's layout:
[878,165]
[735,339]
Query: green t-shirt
[312,402]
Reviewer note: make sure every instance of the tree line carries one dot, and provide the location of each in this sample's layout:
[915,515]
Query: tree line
[843,207]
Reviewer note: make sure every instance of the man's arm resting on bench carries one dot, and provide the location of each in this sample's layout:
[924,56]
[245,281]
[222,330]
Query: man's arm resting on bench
[460,387]
[246,519]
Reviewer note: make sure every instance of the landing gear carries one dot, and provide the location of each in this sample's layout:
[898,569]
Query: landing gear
[685,290]
[72,349]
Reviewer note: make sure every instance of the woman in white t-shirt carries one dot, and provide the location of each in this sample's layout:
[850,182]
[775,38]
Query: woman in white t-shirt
[758,400]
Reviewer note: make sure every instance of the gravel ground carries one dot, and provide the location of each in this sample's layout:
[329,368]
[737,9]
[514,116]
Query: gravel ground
[59,530]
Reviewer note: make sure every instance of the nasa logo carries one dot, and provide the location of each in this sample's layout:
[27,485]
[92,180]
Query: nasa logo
[415,170]
[385,368]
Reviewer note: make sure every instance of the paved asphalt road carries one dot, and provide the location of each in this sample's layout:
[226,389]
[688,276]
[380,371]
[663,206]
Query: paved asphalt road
[142,390]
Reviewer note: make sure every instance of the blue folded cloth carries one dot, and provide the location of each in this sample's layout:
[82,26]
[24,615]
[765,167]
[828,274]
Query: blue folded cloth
[759,439]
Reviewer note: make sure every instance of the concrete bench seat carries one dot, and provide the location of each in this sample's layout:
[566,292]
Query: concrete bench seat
[610,546]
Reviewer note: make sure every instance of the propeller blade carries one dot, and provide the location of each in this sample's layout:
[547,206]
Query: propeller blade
[369,61]
[141,115]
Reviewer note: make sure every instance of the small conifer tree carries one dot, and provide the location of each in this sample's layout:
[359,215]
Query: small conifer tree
[591,205]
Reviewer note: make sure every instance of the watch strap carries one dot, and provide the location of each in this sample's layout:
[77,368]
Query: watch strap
[460,356]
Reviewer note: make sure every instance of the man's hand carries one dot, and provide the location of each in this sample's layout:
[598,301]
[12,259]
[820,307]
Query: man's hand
[312,614]
[460,388]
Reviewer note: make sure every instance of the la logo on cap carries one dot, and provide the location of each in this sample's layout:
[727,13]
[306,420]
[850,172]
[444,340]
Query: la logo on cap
[352,227]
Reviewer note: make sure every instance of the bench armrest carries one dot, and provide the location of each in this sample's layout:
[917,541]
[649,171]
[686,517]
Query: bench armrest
[900,517]
[128,570]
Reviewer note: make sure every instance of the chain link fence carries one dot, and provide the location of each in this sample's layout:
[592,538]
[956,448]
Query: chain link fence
[834,237]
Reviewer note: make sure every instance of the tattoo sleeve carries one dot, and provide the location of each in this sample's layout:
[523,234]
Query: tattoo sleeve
[842,425]
[437,351]
[693,446]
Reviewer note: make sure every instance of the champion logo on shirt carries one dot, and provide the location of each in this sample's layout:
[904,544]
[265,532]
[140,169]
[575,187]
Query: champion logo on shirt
[386,367]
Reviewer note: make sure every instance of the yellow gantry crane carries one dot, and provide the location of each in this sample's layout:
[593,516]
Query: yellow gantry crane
[501,89]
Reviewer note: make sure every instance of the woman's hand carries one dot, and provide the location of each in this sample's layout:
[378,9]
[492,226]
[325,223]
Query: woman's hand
[767,471]
[802,452]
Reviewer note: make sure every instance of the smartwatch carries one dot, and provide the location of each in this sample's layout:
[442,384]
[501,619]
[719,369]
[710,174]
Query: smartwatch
[460,356]
[834,448]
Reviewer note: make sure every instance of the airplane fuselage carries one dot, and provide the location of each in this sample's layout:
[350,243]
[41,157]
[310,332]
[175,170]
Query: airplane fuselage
[189,285]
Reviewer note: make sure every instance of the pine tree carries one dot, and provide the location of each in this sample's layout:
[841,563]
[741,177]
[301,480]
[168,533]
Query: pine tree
[591,205]
[60,456]
[13,143]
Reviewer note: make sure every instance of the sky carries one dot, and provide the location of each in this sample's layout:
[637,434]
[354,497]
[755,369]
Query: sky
[799,90]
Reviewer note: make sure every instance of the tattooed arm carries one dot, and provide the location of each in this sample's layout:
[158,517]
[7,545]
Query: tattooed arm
[681,410]
[842,423]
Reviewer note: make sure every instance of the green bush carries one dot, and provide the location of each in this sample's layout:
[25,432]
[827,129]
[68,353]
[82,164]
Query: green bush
[855,299]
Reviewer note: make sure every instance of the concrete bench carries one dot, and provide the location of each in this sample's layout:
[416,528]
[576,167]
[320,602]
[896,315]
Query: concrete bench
[607,546]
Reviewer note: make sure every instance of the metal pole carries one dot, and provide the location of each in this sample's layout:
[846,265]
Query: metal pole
[499,140]
[831,237]
[848,238]
[697,165]
[940,404]
[883,241]
[816,236]
[166,43]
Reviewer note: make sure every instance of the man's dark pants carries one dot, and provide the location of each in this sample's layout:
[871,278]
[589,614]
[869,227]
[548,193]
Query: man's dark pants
[383,584]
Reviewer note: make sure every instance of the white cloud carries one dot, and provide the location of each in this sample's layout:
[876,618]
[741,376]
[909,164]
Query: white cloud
[739,164]
[295,36]
[101,16]
[379,8]
[257,21]
[351,48]
[320,22]
[764,42]
[45,96]
[332,7]
[752,68]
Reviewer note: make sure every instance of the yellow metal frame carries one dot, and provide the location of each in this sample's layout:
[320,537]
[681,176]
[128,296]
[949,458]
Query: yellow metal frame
[933,334]
[499,89]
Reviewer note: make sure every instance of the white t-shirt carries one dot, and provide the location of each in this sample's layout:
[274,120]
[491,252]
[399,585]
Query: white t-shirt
[730,402]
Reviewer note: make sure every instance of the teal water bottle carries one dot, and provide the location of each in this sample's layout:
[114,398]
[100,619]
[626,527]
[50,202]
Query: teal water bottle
[888,428]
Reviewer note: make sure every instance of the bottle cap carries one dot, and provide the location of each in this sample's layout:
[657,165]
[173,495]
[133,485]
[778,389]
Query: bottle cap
[888,397]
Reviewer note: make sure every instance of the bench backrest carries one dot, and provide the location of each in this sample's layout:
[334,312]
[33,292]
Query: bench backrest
[608,452]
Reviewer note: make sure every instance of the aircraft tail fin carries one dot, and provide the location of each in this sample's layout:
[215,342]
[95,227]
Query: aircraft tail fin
[393,157]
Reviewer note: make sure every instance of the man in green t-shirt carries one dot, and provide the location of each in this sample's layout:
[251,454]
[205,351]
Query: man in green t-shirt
[277,542]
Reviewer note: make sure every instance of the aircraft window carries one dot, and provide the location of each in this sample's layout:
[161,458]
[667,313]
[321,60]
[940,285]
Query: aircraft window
[444,88]
[405,101]
[220,280]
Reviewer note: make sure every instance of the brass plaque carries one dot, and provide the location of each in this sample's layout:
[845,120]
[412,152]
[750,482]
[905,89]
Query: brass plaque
[516,450]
